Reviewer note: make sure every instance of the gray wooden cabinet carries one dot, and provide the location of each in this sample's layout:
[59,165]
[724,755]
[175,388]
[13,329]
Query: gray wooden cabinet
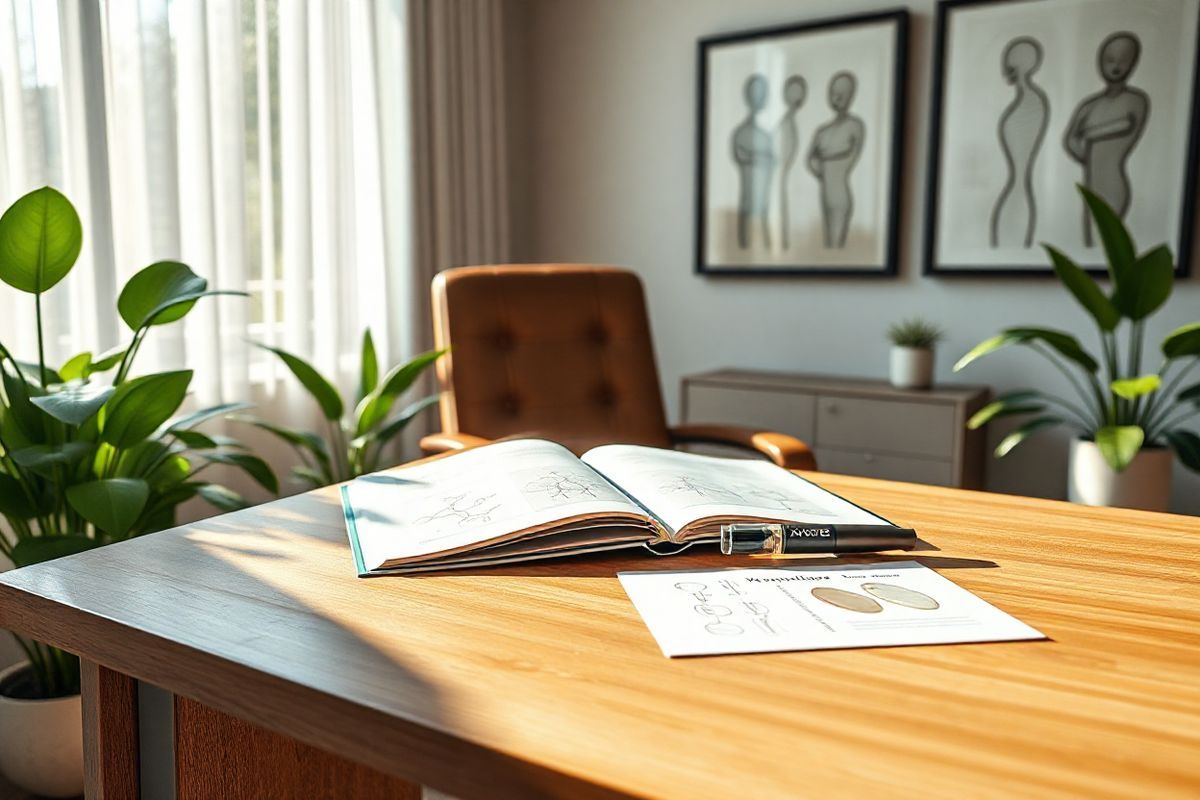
[855,426]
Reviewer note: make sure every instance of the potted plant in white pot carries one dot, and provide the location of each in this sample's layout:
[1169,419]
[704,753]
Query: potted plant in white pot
[1127,420]
[85,462]
[911,363]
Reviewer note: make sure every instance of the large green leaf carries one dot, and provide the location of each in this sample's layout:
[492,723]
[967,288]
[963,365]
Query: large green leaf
[309,477]
[33,373]
[76,403]
[112,505]
[1183,341]
[14,502]
[1118,246]
[140,459]
[1190,395]
[252,465]
[302,440]
[222,497]
[24,415]
[38,549]
[1147,285]
[173,496]
[1024,432]
[375,407]
[169,474]
[1133,388]
[369,375]
[396,424]
[108,359]
[1186,445]
[141,405]
[162,293]
[40,238]
[1022,402]
[169,282]
[1119,444]
[1066,345]
[203,415]
[195,440]
[45,459]
[318,386]
[1085,289]
[76,367]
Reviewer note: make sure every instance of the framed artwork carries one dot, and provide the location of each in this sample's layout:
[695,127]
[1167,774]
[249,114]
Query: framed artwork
[1031,98]
[800,136]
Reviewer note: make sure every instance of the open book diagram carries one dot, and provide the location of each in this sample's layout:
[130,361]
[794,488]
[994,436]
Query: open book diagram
[526,499]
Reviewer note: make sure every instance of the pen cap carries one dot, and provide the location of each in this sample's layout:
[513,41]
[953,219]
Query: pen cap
[745,539]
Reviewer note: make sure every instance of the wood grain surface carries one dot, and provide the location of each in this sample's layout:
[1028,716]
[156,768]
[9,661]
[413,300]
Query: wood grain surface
[110,742]
[218,755]
[541,680]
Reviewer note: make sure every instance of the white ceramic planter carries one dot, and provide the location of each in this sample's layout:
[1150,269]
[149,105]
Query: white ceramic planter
[41,743]
[911,367]
[1145,484]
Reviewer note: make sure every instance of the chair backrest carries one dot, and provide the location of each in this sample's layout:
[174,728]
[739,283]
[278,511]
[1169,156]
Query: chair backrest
[559,351]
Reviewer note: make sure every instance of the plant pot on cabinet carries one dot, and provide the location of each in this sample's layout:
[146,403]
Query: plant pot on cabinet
[911,367]
[1144,484]
[41,741]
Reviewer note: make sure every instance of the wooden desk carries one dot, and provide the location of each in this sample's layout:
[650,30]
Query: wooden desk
[542,680]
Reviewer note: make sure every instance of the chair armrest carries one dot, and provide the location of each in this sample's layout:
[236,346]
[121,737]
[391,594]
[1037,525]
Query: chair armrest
[443,442]
[785,451]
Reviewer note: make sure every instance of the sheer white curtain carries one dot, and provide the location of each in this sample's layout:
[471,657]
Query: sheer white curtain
[242,137]
[326,156]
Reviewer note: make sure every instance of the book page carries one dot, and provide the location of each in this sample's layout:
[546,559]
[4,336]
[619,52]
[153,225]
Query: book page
[765,609]
[683,489]
[476,497]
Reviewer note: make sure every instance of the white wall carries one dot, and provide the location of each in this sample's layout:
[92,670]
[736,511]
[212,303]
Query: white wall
[608,124]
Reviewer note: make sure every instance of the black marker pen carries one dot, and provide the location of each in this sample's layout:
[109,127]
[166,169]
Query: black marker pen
[780,539]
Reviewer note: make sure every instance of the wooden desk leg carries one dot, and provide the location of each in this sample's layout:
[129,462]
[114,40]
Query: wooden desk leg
[110,733]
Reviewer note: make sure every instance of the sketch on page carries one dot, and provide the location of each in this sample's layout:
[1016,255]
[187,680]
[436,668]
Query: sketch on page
[465,508]
[546,488]
[696,489]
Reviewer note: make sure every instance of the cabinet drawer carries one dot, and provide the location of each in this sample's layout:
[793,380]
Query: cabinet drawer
[781,412]
[887,467]
[887,426]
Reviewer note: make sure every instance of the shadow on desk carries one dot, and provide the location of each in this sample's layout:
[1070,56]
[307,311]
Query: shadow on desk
[256,623]
[607,565]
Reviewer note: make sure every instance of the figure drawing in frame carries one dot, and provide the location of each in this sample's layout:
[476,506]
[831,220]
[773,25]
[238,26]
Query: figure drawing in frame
[1022,128]
[1107,125]
[754,155]
[835,149]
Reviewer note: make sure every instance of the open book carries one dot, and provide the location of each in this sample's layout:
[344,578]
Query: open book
[527,499]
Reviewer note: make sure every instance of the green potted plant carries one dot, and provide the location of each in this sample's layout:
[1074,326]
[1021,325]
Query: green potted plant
[911,363]
[85,461]
[353,444]
[1127,420]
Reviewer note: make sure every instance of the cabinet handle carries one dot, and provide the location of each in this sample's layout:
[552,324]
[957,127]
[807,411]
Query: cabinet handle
[869,458]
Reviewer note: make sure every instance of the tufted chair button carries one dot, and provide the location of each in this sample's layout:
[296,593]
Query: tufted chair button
[606,395]
[510,404]
[504,339]
[597,333]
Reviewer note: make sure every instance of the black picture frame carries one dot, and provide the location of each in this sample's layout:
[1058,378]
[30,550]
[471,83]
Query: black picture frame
[930,267]
[898,87]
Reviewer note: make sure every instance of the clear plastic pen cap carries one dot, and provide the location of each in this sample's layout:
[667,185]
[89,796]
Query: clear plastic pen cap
[748,539]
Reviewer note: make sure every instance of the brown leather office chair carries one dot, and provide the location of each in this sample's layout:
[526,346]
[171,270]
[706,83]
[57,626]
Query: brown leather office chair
[561,352]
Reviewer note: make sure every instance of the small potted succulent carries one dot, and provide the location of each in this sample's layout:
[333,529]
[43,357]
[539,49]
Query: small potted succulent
[913,341]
